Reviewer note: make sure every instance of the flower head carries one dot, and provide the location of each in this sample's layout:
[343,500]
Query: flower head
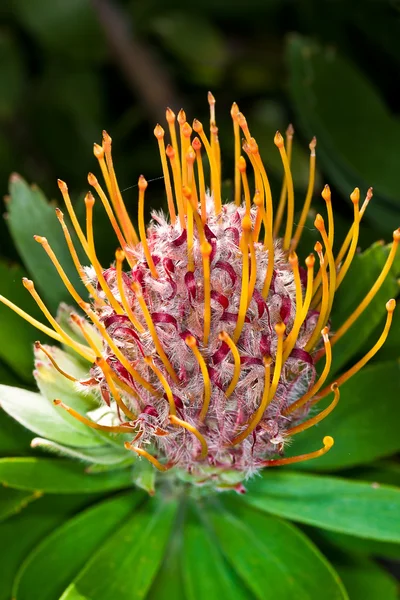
[205,333]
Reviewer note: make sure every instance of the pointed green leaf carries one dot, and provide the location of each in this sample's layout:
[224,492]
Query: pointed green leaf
[65,551]
[22,532]
[206,572]
[14,439]
[102,455]
[366,510]
[365,579]
[57,476]
[369,398]
[273,557]
[169,581]
[13,501]
[40,415]
[125,565]
[28,214]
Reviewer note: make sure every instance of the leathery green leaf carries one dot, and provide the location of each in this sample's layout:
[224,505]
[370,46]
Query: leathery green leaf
[126,564]
[353,424]
[57,560]
[367,510]
[13,501]
[58,476]
[364,578]
[273,557]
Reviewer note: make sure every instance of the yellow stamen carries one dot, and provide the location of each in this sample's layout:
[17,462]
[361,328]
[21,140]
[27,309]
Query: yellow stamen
[98,151]
[215,182]
[280,332]
[63,276]
[67,200]
[224,337]
[321,380]
[258,415]
[242,169]
[196,144]
[214,134]
[349,235]
[326,195]
[236,132]
[93,424]
[170,116]
[176,174]
[186,133]
[120,257]
[149,457]
[118,354]
[92,180]
[309,195]
[50,332]
[320,225]
[241,119]
[75,259]
[325,299]
[290,341]
[108,374]
[159,133]
[390,306]
[190,159]
[378,283]
[116,197]
[258,200]
[204,448]
[253,269]
[38,346]
[187,192]
[142,184]
[206,249]
[278,141]
[172,407]
[282,199]
[328,442]
[181,121]
[89,202]
[192,343]
[79,348]
[244,292]
[319,417]
[153,332]
[355,197]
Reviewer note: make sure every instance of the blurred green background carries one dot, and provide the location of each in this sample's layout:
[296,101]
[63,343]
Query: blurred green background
[69,68]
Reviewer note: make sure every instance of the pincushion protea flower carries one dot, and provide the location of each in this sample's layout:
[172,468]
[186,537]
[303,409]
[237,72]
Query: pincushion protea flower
[206,347]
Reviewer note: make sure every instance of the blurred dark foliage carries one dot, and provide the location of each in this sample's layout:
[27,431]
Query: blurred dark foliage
[69,68]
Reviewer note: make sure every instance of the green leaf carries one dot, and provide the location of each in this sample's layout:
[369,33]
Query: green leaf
[38,414]
[56,476]
[14,439]
[28,214]
[17,352]
[65,551]
[13,501]
[363,273]
[22,532]
[201,555]
[125,565]
[169,581]
[365,510]
[103,455]
[365,579]
[337,103]
[369,397]
[360,546]
[273,557]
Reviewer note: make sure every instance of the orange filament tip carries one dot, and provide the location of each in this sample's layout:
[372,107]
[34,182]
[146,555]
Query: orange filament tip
[318,247]
[210,98]
[98,151]
[205,249]
[186,130]
[396,235]
[181,117]
[190,155]
[28,283]
[60,214]
[234,110]
[92,179]
[241,164]
[278,140]
[120,255]
[170,115]
[280,328]
[267,361]
[391,305]
[355,196]
[158,131]
[312,145]
[191,341]
[62,186]
[258,201]
[197,126]
[326,193]
[196,144]
[319,222]
[89,200]
[310,261]
[142,183]
[293,259]
[40,239]
[106,138]
[170,152]
[290,131]
[246,224]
